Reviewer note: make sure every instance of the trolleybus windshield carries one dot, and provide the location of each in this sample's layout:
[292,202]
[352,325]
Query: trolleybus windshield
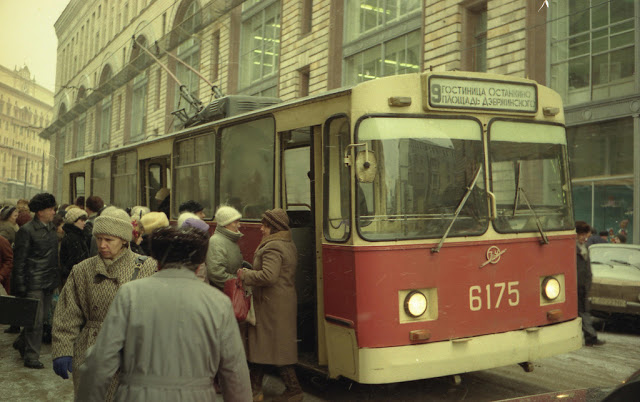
[528,177]
[424,167]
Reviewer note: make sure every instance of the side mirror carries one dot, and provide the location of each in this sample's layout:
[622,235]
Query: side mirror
[366,166]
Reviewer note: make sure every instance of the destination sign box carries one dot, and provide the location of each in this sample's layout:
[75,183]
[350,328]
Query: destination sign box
[469,93]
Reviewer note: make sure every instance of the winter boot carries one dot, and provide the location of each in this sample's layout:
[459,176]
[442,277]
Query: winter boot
[256,375]
[293,391]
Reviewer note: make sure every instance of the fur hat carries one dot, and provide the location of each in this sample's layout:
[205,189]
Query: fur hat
[190,206]
[172,245]
[226,215]
[42,201]
[139,211]
[153,221]
[195,223]
[113,222]
[6,212]
[73,214]
[277,218]
[162,194]
[184,216]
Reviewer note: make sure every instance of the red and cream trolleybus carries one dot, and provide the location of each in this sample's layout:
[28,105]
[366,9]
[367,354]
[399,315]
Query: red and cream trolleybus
[432,214]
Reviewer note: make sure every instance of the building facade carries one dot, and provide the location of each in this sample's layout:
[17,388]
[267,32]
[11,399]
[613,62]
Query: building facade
[26,108]
[111,92]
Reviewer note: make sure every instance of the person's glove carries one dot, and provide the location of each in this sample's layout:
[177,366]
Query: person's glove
[62,365]
[247,265]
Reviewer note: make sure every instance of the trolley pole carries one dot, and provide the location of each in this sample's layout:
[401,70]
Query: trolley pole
[42,174]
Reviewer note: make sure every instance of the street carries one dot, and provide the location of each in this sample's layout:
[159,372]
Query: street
[590,367]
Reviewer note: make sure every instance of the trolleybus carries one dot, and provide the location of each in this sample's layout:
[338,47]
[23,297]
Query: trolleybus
[432,213]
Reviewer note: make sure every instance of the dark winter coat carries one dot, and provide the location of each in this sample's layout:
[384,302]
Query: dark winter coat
[273,339]
[35,264]
[73,249]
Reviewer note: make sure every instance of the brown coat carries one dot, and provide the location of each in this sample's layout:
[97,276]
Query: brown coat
[84,302]
[6,263]
[273,339]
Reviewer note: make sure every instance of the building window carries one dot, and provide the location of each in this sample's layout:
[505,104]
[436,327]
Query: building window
[475,40]
[592,49]
[382,38]
[306,17]
[189,52]
[139,107]
[260,48]
[215,55]
[105,124]
[81,133]
[304,81]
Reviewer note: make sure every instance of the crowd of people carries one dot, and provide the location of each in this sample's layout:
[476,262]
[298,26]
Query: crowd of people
[133,305]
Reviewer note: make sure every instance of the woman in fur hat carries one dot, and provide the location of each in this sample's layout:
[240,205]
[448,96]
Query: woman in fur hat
[90,289]
[272,341]
[8,225]
[73,248]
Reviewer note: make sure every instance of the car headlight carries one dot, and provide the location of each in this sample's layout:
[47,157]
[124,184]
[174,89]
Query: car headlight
[415,304]
[550,288]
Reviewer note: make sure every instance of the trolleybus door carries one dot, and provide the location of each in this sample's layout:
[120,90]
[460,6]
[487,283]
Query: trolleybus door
[155,175]
[298,201]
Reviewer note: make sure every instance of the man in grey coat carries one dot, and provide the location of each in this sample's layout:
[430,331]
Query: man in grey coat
[169,334]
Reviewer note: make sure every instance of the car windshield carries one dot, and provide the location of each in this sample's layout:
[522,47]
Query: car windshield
[529,177]
[425,167]
[615,255]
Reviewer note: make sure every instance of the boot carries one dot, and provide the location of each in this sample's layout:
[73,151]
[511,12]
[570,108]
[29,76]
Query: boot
[293,391]
[46,334]
[256,375]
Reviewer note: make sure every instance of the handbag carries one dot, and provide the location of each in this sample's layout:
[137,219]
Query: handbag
[240,299]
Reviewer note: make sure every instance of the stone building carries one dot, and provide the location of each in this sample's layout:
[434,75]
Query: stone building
[26,108]
[110,93]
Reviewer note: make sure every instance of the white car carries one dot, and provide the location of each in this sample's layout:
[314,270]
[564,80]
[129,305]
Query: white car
[616,278]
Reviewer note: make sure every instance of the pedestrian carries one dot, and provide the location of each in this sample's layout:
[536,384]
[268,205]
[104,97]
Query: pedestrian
[137,213]
[163,197]
[584,284]
[35,272]
[93,206]
[168,335]
[90,289]
[192,206]
[224,257]
[73,248]
[6,265]
[272,341]
[148,223]
[594,238]
[24,213]
[199,224]
[8,225]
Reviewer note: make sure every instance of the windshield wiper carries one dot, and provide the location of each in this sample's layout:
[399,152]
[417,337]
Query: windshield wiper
[625,263]
[601,263]
[458,209]
[544,240]
[517,198]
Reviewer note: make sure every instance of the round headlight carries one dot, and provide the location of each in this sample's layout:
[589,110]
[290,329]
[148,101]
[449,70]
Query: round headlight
[550,288]
[415,304]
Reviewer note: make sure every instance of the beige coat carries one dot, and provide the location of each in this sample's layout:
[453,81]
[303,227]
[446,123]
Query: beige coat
[273,339]
[84,303]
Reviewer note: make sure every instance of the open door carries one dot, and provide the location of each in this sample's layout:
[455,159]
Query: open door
[155,175]
[298,201]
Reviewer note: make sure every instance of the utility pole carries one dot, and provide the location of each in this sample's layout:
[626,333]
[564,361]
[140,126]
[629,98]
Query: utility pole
[26,170]
[42,174]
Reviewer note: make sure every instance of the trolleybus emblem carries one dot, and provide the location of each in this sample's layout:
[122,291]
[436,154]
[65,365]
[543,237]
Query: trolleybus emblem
[493,255]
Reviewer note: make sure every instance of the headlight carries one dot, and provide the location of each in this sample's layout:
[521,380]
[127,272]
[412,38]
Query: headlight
[550,288]
[415,304]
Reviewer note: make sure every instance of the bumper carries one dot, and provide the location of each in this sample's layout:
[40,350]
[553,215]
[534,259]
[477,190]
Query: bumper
[407,363]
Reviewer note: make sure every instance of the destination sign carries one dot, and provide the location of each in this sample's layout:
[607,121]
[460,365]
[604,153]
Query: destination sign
[447,92]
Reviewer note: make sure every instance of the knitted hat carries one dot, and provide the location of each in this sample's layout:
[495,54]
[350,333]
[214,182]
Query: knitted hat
[277,218]
[6,212]
[195,223]
[153,221]
[42,201]
[113,222]
[190,206]
[162,193]
[73,214]
[226,215]
[184,216]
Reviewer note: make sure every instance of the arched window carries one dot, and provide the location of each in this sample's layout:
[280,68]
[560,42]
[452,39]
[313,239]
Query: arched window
[187,21]
[139,96]
[103,117]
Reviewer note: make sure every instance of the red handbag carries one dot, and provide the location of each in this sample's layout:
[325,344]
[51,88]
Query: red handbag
[240,300]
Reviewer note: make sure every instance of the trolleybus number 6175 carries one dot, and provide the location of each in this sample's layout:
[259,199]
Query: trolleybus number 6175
[493,292]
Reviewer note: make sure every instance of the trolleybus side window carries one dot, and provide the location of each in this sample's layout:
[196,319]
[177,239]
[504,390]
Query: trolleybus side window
[337,197]
[101,179]
[125,169]
[296,164]
[424,168]
[247,153]
[529,176]
[194,170]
